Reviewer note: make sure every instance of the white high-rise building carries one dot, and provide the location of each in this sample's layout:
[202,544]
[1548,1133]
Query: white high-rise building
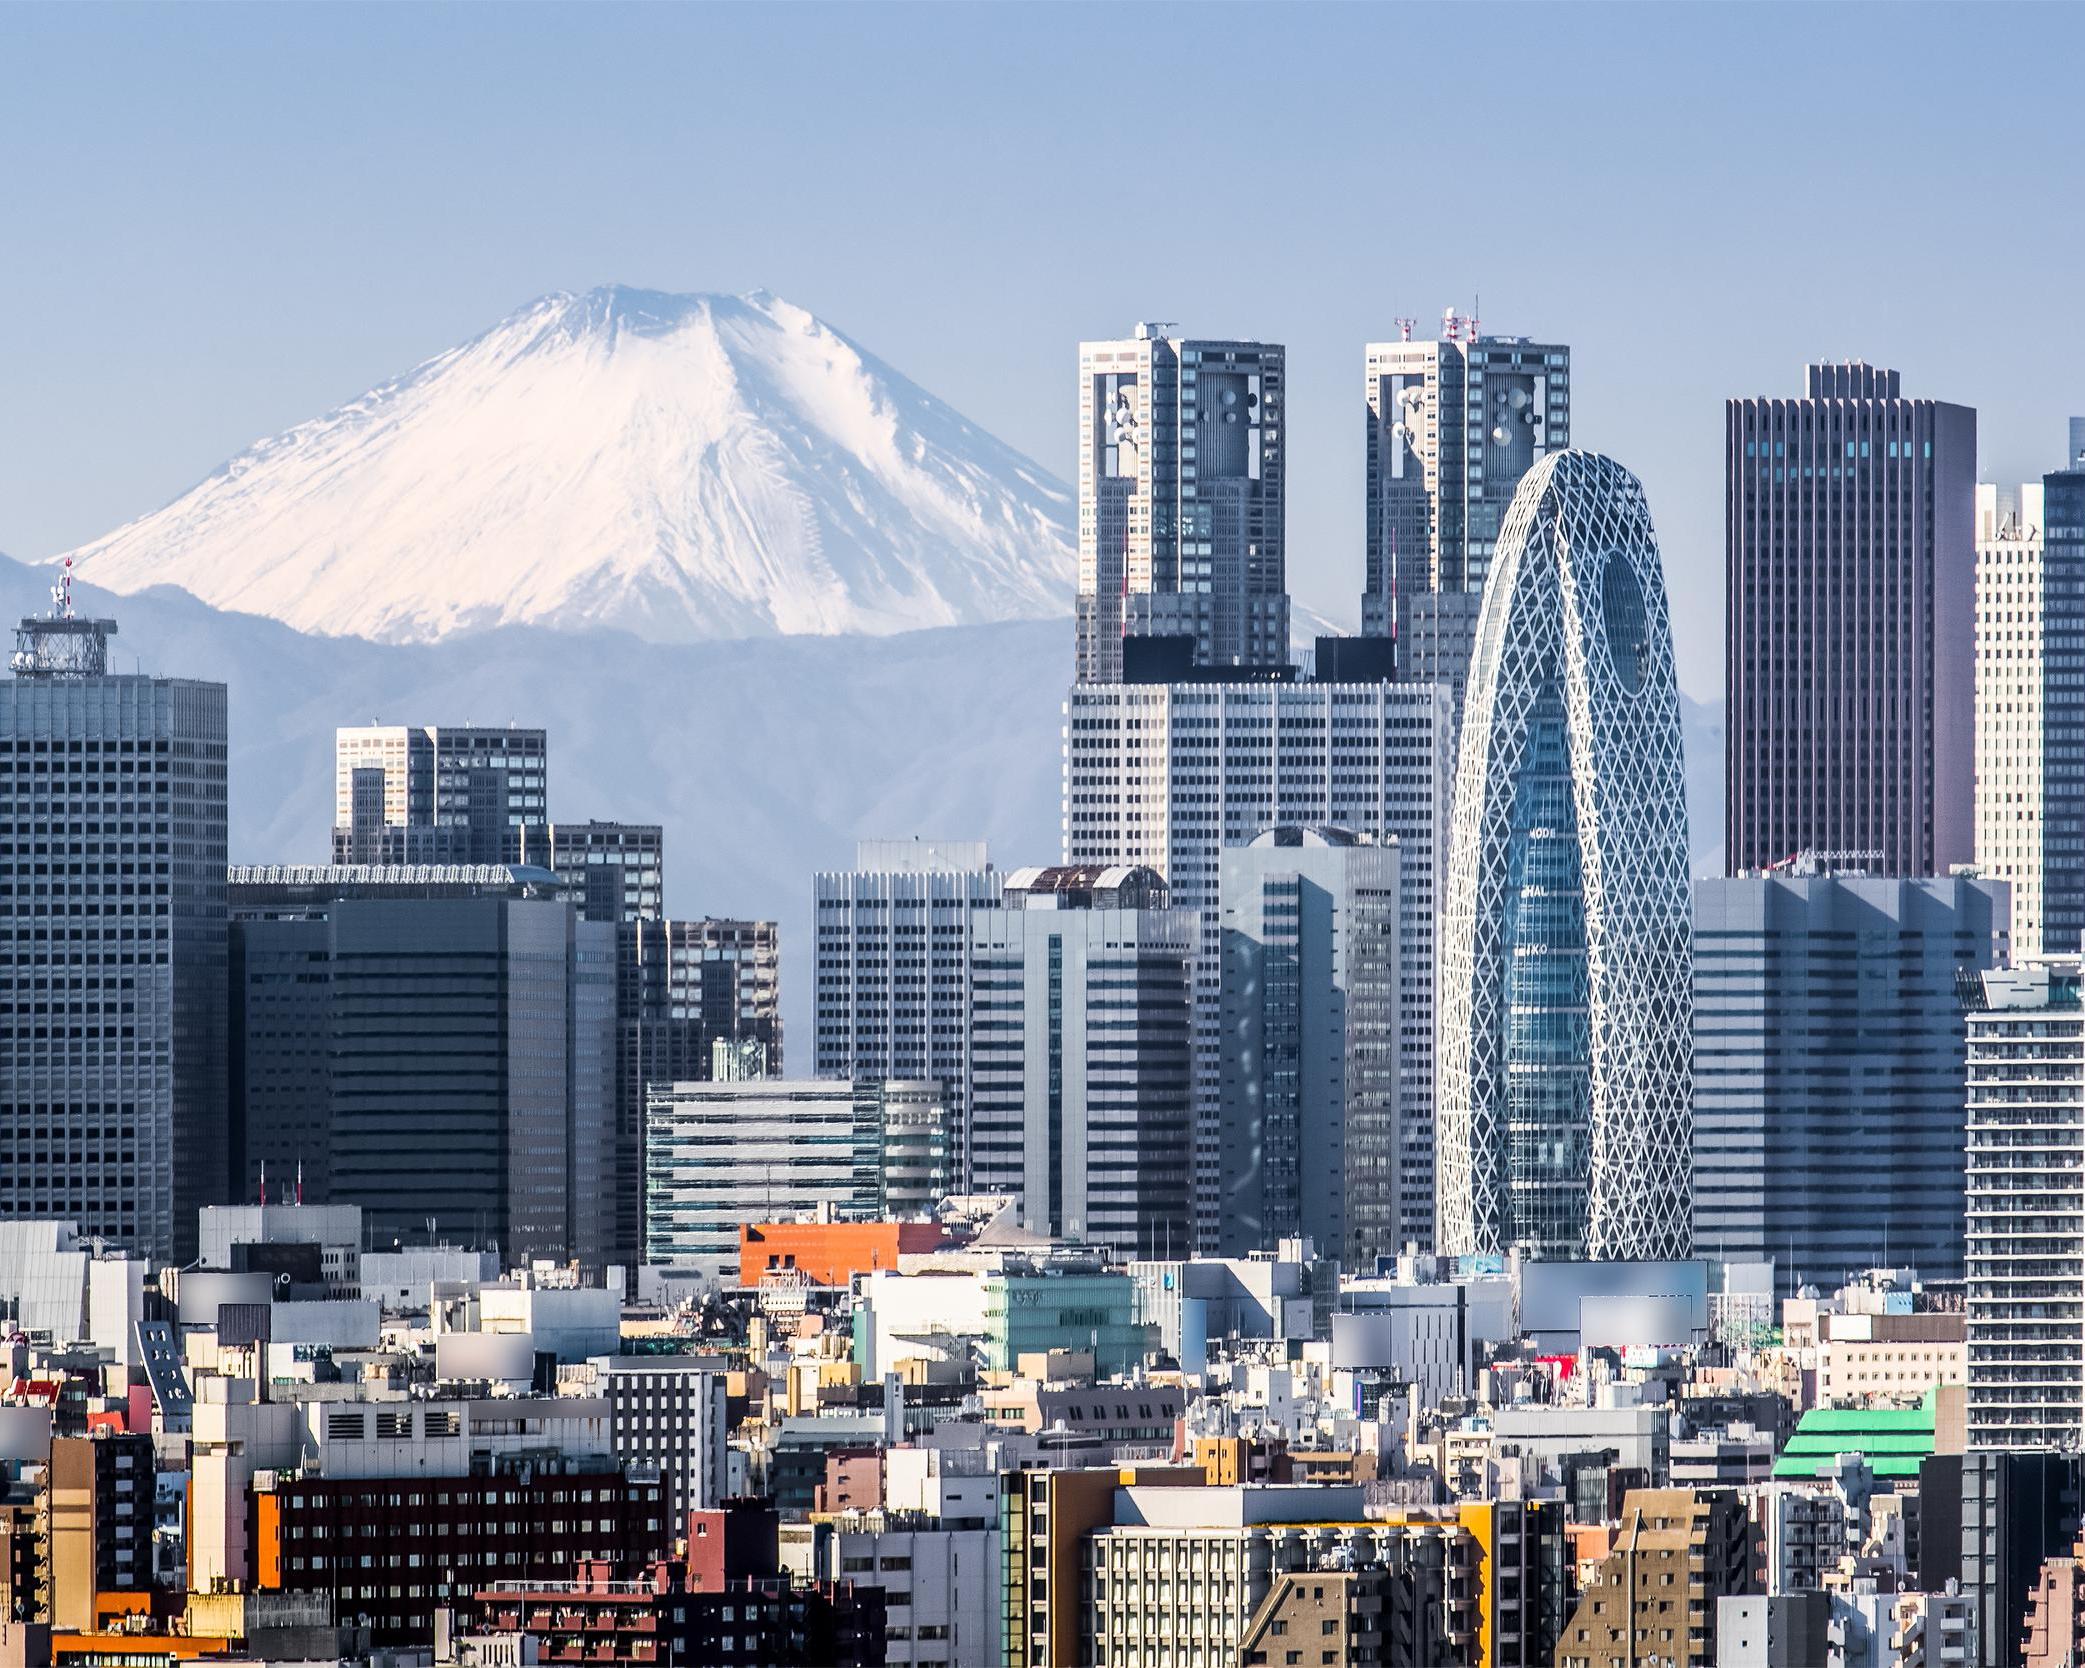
[1453,425]
[2010,686]
[2026,1209]
[1566,973]
[1169,775]
[1181,479]
[892,993]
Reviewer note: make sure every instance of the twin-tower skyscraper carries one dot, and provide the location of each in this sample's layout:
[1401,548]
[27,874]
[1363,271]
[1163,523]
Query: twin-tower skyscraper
[1520,582]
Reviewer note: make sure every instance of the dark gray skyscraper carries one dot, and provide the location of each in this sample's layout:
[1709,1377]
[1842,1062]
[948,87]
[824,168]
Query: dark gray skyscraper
[456,1036]
[1828,1045]
[1851,618]
[614,871]
[1182,464]
[112,941]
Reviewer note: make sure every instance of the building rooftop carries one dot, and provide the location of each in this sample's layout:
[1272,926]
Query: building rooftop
[1892,1440]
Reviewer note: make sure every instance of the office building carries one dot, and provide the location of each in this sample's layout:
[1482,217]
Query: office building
[1850,578]
[434,1045]
[717,1155]
[2030,702]
[2025,1296]
[1828,1041]
[112,940]
[1168,775]
[1311,1130]
[1182,472]
[614,871]
[2018,1510]
[893,962]
[1565,1090]
[1453,425]
[684,991]
[437,793]
[917,1167]
[1081,1093]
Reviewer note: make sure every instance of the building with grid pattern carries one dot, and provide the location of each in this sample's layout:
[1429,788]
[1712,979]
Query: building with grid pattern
[1168,775]
[1182,472]
[112,942]
[437,793]
[1850,578]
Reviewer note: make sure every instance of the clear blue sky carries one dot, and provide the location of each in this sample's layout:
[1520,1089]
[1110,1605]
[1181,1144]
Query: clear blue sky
[218,220]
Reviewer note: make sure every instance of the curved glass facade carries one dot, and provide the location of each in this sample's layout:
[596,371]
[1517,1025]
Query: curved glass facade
[1566,955]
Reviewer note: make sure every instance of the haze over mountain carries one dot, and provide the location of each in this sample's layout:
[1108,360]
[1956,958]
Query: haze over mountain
[683,468]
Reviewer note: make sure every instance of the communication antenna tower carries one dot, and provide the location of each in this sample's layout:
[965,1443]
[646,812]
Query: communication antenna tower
[1404,329]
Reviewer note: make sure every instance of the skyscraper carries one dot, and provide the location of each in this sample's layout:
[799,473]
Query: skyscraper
[1081,1094]
[454,1033]
[1850,574]
[409,793]
[1565,975]
[1309,1069]
[1829,1042]
[893,960]
[112,941]
[2030,702]
[1181,480]
[1453,425]
[1167,775]
[614,871]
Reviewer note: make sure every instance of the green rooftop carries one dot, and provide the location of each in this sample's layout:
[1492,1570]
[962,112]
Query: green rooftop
[1891,1439]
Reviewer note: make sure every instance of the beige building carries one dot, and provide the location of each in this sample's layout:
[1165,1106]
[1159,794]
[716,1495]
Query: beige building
[2010,788]
[1654,1597]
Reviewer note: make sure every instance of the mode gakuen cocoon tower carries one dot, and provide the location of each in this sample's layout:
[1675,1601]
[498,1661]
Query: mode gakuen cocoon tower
[1564,1075]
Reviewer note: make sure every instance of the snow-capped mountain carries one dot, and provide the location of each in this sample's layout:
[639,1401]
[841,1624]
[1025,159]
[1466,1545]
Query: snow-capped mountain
[680,467]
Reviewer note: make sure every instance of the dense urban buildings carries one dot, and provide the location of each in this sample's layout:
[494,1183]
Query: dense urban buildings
[2026,1209]
[1182,475]
[1565,976]
[1828,1041]
[112,940]
[1311,1128]
[1851,625]
[443,1040]
[1081,1094]
[1169,775]
[437,793]
[2030,701]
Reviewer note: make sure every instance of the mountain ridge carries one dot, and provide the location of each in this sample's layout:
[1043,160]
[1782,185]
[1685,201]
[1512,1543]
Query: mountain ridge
[682,467]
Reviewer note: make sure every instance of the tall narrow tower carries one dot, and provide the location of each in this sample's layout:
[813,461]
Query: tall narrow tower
[1565,1006]
[1181,471]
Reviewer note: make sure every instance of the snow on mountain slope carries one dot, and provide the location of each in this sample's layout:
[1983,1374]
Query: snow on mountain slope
[679,467]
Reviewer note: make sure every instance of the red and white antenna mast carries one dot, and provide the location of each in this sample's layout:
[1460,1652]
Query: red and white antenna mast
[1404,329]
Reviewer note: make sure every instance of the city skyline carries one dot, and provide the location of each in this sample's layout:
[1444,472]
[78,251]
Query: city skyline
[1668,308]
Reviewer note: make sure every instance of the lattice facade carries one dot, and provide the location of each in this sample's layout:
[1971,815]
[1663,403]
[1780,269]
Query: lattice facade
[1564,1073]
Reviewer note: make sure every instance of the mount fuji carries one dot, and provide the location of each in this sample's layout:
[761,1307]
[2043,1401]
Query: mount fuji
[681,468]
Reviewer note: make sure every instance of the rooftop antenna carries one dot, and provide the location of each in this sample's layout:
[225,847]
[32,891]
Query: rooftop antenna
[1451,325]
[1476,302]
[1404,329]
[61,593]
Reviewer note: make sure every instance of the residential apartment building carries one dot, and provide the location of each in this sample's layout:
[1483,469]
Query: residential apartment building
[2025,1297]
